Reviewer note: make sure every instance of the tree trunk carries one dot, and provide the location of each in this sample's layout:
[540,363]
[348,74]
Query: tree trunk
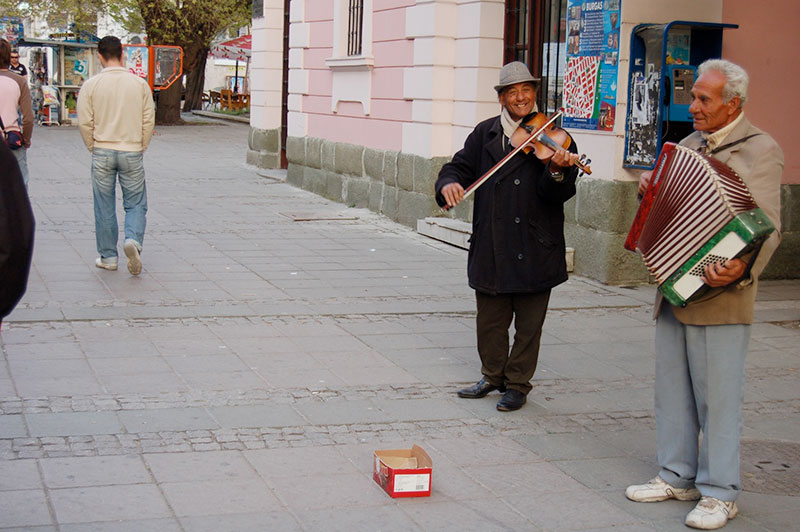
[169,105]
[194,83]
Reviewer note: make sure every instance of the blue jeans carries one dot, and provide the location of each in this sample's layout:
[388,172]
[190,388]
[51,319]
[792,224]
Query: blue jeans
[22,159]
[106,166]
[700,379]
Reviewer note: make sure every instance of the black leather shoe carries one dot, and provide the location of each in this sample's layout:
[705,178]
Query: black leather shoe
[479,389]
[511,400]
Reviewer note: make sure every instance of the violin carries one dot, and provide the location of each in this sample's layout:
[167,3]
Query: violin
[549,139]
[538,133]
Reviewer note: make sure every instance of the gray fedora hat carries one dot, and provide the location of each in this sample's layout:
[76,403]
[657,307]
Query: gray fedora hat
[514,72]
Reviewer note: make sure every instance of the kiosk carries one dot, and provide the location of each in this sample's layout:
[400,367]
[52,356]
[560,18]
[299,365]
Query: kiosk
[65,68]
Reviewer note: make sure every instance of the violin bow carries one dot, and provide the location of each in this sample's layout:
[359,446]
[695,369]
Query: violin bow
[485,177]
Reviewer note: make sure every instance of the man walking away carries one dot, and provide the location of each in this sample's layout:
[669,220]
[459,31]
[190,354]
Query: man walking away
[116,118]
[15,99]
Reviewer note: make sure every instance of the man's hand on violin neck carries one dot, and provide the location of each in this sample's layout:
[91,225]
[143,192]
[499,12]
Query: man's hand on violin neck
[564,158]
[453,194]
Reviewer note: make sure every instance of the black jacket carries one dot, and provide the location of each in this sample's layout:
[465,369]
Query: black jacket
[16,233]
[517,243]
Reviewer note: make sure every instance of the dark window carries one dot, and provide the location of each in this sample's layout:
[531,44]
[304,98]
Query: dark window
[355,23]
[535,34]
[518,28]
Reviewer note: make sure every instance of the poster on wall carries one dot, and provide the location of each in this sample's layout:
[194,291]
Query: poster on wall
[76,65]
[11,29]
[590,78]
[136,59]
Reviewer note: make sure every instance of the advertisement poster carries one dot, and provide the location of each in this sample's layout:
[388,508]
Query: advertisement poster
[136,59]
[76,65]
[11,29]
[590,78]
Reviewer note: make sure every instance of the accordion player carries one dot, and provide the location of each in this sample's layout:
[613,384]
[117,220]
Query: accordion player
[696,211]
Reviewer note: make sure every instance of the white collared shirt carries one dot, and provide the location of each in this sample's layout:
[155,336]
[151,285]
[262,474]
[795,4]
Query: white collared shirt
[715,139]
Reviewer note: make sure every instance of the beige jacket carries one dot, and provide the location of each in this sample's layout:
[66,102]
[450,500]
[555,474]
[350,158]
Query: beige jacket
[116,111]
[759,162]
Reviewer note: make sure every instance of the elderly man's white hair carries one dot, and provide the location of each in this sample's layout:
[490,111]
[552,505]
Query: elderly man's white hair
[736,79]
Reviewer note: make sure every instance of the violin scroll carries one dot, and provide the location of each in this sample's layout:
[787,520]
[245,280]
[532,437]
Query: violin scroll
[583,165]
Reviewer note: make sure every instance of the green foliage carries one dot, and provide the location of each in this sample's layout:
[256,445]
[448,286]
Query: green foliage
[60,15]
[191,24]
[191,21]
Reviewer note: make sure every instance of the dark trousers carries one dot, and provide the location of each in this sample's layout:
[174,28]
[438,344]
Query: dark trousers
[515,369]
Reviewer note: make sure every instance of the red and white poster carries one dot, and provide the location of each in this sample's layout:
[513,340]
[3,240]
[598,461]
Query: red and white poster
[590,78]
[580,86]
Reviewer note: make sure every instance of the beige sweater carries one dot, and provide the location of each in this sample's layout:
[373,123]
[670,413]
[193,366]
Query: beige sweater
[115,111]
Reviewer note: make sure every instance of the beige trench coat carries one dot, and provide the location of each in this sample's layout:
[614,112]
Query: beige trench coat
[759,162]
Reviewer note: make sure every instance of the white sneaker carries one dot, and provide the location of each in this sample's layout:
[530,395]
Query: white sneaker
[109,263]
[711,513]
[132,252]
[657,490]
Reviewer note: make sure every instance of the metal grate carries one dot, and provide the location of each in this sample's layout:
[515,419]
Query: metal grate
[535,33]
[355,24]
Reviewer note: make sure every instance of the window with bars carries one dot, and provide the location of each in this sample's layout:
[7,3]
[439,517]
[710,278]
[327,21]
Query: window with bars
[535,33]
[355,26]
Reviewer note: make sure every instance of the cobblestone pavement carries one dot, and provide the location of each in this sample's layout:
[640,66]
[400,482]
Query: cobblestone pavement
[244,379]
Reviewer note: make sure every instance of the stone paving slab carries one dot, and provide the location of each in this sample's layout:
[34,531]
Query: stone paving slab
[243,381]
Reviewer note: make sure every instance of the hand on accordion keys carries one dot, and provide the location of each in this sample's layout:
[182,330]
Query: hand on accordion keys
[723,274]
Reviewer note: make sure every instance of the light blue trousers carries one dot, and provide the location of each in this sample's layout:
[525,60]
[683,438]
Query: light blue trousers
[107,166]
[699,386]
[22,159]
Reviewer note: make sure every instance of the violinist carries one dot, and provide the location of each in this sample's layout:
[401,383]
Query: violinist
[517,250]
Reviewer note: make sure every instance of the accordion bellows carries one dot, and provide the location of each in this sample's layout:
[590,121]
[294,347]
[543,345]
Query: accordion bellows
[695,211]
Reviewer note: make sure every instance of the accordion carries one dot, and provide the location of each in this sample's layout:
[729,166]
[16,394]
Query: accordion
[696,211]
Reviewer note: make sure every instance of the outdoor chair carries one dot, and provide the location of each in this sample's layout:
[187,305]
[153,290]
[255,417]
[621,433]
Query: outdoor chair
[214,99]
[228,100]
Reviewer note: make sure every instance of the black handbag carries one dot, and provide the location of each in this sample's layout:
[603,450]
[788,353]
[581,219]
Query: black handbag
[12,138]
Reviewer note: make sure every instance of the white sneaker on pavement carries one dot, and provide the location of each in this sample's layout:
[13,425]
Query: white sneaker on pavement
[109,263]
[711,513]
[132,252]
[657,490]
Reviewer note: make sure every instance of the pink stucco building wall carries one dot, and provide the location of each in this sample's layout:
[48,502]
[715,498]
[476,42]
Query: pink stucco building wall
[766,45]
[382,128]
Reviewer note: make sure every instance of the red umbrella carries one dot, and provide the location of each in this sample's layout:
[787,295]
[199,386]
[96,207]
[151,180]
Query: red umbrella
[237,49]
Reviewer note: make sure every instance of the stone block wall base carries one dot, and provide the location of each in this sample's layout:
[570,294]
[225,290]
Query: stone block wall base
[264,148]
[397,185]
[600,255]
[784,263]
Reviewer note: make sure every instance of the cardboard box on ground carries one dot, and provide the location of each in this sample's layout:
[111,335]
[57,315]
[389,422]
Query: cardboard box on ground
[404,472]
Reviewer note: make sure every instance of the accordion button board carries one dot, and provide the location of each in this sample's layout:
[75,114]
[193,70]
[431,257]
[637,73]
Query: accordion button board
[696,211]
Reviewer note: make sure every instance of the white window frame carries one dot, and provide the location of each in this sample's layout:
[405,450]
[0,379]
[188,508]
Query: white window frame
[340,60]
